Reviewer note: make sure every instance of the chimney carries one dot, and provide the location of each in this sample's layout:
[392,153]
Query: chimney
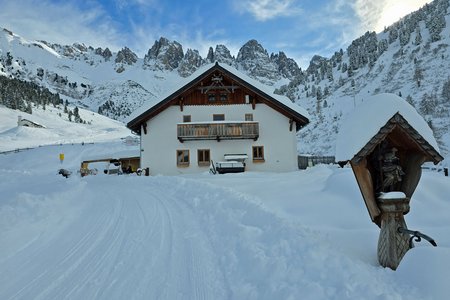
[19,120]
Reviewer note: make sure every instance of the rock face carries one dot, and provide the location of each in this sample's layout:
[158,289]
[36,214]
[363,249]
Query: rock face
[125,56]
[315,64]
[164,55]
[223,55]
[255,61]
[287,67]
[190,63]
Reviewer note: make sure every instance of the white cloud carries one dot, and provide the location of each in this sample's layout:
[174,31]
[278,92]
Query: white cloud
[375,15]
[63,23]
[264,10]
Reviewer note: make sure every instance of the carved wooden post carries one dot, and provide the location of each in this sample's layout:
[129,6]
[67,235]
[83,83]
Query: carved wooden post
[392,245]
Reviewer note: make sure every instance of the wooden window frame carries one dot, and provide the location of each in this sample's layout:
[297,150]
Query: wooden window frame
[260,154]
[202,152]
[216,115]
[183,163]
[211,97]
[248,117]
[223,97]
[186,118]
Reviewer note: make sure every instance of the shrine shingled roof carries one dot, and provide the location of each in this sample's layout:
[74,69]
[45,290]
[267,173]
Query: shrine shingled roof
[372,121]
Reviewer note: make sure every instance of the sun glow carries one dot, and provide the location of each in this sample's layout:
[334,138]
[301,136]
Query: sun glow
[395,10]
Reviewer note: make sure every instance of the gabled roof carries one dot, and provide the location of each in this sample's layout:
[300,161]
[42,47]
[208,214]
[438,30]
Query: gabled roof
[277,102]
[375,119]
[410,136]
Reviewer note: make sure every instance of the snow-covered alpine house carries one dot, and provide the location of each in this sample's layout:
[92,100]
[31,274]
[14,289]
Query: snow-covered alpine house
[219,117]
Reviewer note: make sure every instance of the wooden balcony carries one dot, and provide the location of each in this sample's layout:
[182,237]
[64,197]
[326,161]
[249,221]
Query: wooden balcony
[220,130]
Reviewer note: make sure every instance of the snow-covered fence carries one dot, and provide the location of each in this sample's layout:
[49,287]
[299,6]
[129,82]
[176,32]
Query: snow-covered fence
[29,148]
[15,150]
[310,161]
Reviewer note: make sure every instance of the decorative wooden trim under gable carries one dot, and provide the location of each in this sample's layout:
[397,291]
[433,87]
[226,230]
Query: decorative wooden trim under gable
[144,126]
[181,103]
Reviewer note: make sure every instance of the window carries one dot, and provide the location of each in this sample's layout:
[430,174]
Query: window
[223,97]
[211,97]
[203,157]
[258,153]
[187,118]
[248,117]
[183,158]
[220,117]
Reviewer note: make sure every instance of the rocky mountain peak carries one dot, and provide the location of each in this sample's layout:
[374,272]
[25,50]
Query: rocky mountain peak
[106,54]
[255,60]
[125,56]
[223,55]
[250,51]
[164,55]
[315,63]
[190,63]
[210,55]
[286,66]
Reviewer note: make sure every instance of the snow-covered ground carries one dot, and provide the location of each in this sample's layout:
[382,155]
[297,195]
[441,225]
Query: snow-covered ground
[298,235]
[58,129]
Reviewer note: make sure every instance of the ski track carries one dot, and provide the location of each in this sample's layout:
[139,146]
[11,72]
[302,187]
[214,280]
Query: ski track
[113,254]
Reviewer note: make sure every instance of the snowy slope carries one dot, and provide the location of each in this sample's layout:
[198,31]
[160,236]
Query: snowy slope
[234,236]
[58,128]
[416,70]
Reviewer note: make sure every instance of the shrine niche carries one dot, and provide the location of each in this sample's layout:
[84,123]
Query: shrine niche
[390,143]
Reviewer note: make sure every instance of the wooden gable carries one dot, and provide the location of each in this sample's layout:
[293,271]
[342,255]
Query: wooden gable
[413,150]
[217,86]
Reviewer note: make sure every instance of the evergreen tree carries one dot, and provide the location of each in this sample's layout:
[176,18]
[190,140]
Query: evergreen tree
[418,75]
[410,100]
[418,36]
[428,104]
[29,109]
[446,91]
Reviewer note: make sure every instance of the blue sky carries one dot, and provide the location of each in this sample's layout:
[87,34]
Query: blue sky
[300,28]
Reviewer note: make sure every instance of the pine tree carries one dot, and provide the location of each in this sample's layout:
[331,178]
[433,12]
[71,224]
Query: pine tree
[446,91]
[418,75]
[418,36]
[410,100]
[29,109]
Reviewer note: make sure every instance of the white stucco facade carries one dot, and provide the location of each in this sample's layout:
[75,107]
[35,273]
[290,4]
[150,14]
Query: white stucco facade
[160,144]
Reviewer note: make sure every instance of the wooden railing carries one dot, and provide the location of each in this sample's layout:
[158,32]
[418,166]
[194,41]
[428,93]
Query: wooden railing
[218,131]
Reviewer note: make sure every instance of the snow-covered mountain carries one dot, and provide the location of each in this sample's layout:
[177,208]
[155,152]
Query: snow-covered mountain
[409,58]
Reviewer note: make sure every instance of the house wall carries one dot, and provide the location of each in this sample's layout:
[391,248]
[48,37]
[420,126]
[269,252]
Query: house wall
[159,145]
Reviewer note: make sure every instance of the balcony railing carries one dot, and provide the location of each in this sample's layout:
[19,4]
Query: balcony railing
[220,130]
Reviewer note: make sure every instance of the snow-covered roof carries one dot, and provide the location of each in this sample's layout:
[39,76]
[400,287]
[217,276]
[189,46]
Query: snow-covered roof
[136,116]
[368,118]
[267,89]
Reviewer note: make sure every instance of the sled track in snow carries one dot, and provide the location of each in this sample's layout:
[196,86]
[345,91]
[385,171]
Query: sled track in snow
[151,248]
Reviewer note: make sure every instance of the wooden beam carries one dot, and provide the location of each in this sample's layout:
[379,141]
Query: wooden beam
[144,125]
[291,124]
[229,88]
[365,183]
[181,102]
[253,103]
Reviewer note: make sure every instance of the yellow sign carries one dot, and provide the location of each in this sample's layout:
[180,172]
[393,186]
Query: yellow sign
[61,157]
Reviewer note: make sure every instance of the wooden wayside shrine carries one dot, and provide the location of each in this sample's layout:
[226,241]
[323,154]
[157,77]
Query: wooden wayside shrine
[387,169]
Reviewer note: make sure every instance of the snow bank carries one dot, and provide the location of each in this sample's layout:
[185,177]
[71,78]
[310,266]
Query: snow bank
[424,268]
[364,122]
[302,234]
